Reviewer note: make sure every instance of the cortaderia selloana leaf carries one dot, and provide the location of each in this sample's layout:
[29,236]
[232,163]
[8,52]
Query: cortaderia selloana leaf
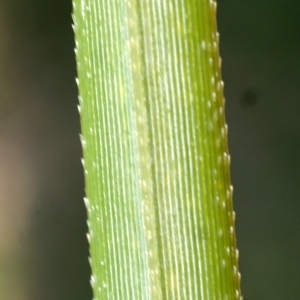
[156,162]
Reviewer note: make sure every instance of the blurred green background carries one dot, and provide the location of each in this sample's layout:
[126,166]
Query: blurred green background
[43,246]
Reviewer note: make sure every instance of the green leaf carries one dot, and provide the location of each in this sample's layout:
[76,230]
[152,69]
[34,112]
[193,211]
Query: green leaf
[159,200]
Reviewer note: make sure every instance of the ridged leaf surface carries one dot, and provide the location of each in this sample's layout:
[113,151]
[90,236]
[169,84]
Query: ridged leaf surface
[159,200]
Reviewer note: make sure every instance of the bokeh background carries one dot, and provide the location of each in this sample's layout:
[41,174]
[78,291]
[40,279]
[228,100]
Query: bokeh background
[43,246]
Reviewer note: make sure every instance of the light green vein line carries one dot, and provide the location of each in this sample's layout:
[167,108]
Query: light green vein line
[141,131]
[118,140]
[154,111]
[171,208]
[93,131]
[106,284]
[134,129]
[209,128]
[181,89]
[108,150]
[201,186]
[193,293]
[147,59]
[177,140]
[195,163]
[99,153]
[123,193]
[206,165]
[188,178]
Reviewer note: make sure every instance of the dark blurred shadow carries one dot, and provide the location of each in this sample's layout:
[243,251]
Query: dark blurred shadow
[260,53]
[46,250]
